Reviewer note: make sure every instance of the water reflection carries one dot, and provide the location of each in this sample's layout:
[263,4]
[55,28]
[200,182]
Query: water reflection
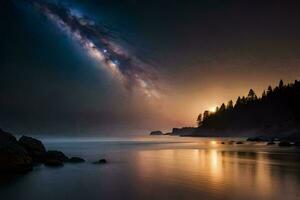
[165,169]
[221,174]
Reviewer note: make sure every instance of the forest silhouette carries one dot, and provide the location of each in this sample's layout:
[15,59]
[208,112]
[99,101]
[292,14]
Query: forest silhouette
[275,113]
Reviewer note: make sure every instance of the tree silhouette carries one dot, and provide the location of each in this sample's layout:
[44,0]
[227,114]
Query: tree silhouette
[269,91]
[238,102]
[222,108]
[244,100]
[264,94]
[251,95]
[205,115]
[280,84]
[230,105]
[275,108]
[199,119]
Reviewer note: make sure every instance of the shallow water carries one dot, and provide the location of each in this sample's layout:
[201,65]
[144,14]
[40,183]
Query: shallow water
[163,168]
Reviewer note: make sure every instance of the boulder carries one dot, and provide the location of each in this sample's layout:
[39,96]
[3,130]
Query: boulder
[231,142]
[101,161]
[6,137]
[34,147]
[13,157]
[55,158]
[76,160]
[284,144]
[256,139]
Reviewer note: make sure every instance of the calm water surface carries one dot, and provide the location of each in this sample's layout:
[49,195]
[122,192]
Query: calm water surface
[163,168]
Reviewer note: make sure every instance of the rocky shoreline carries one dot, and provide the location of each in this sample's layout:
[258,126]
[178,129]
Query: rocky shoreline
[281,137]
[19,156]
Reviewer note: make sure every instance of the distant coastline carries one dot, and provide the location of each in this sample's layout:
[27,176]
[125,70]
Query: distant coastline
[276,114]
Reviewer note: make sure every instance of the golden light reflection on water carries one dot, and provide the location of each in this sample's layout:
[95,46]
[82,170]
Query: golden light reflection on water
[216,172]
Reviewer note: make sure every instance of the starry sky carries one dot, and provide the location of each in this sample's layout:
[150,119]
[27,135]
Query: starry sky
[98,67]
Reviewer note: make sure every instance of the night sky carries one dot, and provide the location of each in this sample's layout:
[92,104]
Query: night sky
[96,67]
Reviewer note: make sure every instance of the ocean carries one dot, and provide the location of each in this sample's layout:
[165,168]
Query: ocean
[162,167]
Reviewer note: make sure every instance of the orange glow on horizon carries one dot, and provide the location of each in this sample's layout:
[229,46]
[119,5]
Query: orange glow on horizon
[213,109]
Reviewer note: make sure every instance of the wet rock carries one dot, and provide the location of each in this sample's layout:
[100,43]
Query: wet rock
[271,143]
[156,133]
[76,160]
[231,142]
[101,161]
[240,142]
[55,158]
[6,137]
[256,139]
[34,147]
[13,157]
[284,144]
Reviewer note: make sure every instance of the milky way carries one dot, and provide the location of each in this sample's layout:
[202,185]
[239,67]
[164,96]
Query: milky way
[98,42]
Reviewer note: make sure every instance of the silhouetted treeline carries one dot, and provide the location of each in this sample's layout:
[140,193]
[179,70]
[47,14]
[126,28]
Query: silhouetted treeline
[275,107]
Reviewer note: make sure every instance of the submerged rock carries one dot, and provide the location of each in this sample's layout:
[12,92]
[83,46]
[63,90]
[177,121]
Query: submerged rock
[101,161]
[76,160]
[34,147]
[284,144]
[222,142]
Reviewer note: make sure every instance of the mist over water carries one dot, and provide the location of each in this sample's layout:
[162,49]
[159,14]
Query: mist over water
[163,168]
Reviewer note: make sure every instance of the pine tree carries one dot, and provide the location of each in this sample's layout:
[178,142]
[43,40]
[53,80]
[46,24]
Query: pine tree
[205,115]
[264,94]
[269,91]
[230,105]
[251,95]
[223,107]
[199,119]
[280,84]
[243,100]
[238,102]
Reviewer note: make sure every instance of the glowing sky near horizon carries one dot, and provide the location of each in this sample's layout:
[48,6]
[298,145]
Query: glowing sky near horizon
[77,66]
